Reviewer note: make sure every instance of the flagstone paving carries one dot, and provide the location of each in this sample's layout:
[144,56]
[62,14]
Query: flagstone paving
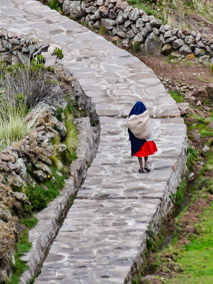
[105,231]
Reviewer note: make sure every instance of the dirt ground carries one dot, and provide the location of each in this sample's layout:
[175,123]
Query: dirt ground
[186,71]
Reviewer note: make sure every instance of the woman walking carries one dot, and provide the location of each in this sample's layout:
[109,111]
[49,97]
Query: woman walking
[139,129]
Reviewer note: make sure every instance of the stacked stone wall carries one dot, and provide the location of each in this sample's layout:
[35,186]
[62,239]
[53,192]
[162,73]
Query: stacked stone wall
[134,26]
[17,48]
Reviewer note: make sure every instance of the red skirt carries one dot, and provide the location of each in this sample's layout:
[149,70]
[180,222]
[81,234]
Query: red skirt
[148,148]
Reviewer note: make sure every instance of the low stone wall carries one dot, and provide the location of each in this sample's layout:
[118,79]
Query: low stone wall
[35,149]
[42,235]
[134,26]
[17,48]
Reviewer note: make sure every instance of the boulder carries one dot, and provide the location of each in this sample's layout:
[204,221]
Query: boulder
[108,24]
[153,44]
[177,43]
[200,92]
[204,59]
[134,14]
[185,50]
[139,38]
[209,90]
[183,107]
[156,23]
[167,49]
[200,51]
[73,9]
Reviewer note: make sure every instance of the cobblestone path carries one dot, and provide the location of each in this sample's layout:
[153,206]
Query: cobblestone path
[105,230]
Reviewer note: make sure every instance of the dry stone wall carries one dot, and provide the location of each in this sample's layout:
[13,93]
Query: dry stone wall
[17,48]
[35,149]
[132,25]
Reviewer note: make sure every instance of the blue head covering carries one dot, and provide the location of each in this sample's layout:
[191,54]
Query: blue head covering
[138,108]
[136,143]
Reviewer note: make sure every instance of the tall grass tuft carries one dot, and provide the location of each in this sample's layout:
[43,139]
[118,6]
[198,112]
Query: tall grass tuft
[12,121]
[21,88]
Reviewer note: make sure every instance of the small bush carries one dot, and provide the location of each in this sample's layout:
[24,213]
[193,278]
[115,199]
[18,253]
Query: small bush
[58,52]
[33,82]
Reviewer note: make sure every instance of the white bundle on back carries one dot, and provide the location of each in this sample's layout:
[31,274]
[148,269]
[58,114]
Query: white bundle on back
[140,125]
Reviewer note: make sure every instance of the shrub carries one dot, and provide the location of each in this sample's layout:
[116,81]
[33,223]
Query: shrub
[33,82]
[58,52]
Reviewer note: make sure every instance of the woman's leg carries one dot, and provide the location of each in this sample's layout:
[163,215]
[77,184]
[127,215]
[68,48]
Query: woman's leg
[146,164]
[140,163]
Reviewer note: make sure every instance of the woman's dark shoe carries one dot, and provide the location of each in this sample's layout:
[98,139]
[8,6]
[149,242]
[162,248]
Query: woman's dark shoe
[141,171]
[147,170]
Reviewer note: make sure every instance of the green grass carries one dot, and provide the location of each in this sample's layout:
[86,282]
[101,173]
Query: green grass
[202,125]
[195,259]
[41,194]
[145,5]
[22,247]
[55,5]
[177,96]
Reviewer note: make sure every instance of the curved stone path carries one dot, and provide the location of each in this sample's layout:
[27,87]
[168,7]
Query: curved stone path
[104,234]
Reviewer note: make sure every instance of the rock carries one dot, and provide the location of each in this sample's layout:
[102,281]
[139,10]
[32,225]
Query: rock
[156,31]
[162,30]
[153,44]
[209,90]
[200,92]
[177,43]
[73,9]
[121,34]
[195,136]
[168,34]
[155,23]
[100,2]
[167,49]
[204,59]
[186,32]
[120,18]
[183,107]
[108,24]
[167,28]
[24,59]
[20,196]
[134,28]
[62,148]
[40,175]
[185,50]
[21,168]
[171,39]
[205,149]
[189,39]
[130,34]
[127,23]
[44,168]
[134,14]
[139,38]
[139,23]
[191,176]
[104,10]
[176,54]
[200,51]
[162,39]
[149,27]
[194,34]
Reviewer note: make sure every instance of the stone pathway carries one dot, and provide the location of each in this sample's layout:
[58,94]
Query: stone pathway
[105,231]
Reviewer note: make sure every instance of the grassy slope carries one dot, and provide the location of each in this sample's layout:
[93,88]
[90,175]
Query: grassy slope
[169,10]
[195,259]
